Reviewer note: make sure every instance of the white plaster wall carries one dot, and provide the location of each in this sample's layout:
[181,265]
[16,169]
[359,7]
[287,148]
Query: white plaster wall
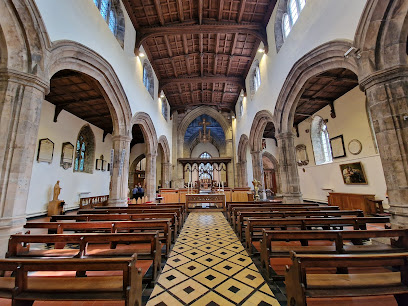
[319,22]
[204,147]
[351,122]
[44,175]
[272,148]
[80,21]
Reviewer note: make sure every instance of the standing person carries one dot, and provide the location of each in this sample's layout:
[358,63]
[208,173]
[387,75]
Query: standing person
[141,191]
[134,192]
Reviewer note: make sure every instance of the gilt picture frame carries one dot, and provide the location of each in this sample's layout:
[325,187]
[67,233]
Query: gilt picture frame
[353,174]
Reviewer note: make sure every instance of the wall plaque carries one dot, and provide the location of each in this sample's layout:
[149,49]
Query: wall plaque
[45,151]
[67,154]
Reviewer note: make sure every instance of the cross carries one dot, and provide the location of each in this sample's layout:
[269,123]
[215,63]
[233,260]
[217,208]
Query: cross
[204,124]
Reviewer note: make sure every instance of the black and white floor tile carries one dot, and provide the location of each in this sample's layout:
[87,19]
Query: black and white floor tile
[209,266]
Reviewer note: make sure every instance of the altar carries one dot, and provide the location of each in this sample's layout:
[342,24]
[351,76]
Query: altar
[193,201]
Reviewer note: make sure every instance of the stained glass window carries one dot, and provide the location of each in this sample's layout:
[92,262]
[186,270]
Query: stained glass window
[205,155]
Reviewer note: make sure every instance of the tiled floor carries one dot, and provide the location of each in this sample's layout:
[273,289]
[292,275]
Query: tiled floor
[209,266]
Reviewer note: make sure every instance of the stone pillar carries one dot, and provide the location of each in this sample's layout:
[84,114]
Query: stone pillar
[230,166]
[387,95]
[166,175]
[239,174]
[257,165]
[150,191]
[21,97]
[118,191]
[289,176]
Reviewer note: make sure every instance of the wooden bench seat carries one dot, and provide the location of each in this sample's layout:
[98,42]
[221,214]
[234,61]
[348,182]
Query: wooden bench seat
[300,284]
[242,216]
[24,288]
[278,244]
[255,227]
[146,245]
[122,217]
[163,226]
[237,210]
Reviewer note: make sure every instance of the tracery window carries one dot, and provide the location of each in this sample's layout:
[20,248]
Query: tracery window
[112,12]
[84,150]
[321,141]
[294,7]
[255,78]
[205,155]
[148,79]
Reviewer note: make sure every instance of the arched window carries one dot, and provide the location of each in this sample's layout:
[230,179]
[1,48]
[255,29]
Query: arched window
[85,150]
[321,141]
[164,107]
[205,155]
[148,79]
[112,12]
[294,7]
[255,78]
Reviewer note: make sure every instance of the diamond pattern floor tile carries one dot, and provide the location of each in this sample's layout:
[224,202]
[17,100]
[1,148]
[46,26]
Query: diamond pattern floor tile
[209,266]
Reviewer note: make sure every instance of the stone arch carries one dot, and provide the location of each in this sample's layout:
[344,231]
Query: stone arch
[382,35]
[25,37]
[281,9]
[242,161]
[325,57]
[132,170]
[261,119]
[276,167]
[150,137]
[77,57]
[205,110]
[164,144]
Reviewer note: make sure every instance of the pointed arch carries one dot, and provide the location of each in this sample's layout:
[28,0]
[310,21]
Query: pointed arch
[242,161]
[325,57]
[382,36]
[74,56]
[166,148]
[84,150]
[275,163]
[148,130]
[261,119]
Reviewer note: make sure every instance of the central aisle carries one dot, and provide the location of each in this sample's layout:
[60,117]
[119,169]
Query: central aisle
[209,266]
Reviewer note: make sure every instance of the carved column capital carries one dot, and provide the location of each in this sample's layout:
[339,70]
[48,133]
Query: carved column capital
[383,76]
[121,138]
[25,79]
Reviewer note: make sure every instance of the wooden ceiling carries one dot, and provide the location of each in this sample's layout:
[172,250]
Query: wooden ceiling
[201,50]
[82,96]
[323,90]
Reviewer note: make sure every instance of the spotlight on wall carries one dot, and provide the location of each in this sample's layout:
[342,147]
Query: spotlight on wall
[141,54]
[261,50]
[233,116]
[353,52]
[162,95]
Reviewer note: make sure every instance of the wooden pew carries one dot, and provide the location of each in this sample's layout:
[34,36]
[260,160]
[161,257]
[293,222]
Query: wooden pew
[303,282]
[236,210]
[163,226]
[242,216]
[25,287]
[276,245]
[146,245]
[254,228]
[122,217]
[178,211]
[266,204]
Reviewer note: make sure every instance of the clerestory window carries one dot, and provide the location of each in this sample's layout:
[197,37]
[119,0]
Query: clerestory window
[321,141]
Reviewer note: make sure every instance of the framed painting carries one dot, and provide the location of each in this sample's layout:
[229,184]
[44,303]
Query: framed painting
[337,147]
[353,174]
[45,151]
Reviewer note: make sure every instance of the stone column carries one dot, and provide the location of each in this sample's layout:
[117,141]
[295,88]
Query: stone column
[118,191]
[150,191]
[21,97]
[239,174]
[230,166]
[166,175]
[387,95]
[289,176]
[257,168]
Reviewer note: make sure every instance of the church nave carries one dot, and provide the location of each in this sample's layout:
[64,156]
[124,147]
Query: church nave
[209,266]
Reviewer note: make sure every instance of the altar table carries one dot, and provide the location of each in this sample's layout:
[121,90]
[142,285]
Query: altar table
[216,198]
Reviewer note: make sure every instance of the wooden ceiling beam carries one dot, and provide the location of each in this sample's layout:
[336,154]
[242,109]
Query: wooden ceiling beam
[180,10]
[318,100]
[204,90]
[254,29]
[185,44]
[240,81]
[229,64]
[196,54]
[168,46]
[78,101]
[157,5]
[202,64]
[220,9]
[234,43]
[241,11]
[200,12]
[215,64]
[188,66]
[217,43]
